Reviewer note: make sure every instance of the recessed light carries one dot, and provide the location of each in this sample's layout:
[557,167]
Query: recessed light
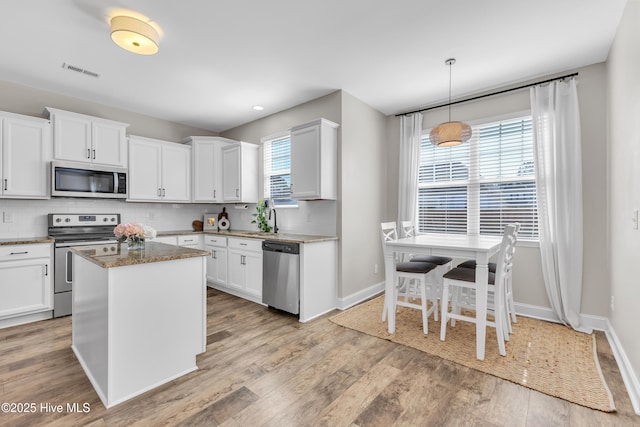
[258,107]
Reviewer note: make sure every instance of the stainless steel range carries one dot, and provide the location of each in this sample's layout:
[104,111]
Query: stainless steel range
[70,230]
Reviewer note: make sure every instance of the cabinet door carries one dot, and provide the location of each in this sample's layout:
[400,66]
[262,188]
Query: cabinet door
[25,287]
[26,152]
[204,157]
[236,272]
[72,138]
[176,173]
[253,273]
[217,265]
[108,144]
[145,162]
[231,174]
[305,163]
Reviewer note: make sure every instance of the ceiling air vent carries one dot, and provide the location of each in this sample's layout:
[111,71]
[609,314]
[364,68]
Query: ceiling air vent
[79,70]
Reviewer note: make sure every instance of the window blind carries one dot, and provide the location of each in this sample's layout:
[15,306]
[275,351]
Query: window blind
[277,170]
[480,186]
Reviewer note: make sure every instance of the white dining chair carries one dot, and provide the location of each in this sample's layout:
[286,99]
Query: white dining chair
[461,278]
[443,263]
[412,280]
[510,304]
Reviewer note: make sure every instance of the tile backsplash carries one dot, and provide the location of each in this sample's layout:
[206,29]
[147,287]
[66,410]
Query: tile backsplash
[30,216]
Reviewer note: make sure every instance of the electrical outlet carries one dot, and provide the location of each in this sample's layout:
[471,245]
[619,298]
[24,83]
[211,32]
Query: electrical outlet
[612,303]
[7,217]
[634,219]
[375,268]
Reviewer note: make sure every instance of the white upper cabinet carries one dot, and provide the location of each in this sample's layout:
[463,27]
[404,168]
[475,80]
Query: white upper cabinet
[159,170]
[206,164]
[26,149]
[81,138]
[240,173]
[314,160]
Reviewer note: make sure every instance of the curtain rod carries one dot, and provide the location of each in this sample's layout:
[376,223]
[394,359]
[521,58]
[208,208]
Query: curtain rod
[488,94]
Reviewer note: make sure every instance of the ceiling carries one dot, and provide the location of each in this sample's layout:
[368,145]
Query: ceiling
[219,58]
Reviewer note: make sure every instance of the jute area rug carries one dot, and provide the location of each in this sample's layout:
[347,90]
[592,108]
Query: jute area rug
[547,357]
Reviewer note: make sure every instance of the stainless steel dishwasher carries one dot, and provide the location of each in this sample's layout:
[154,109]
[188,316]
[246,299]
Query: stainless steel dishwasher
[281,275]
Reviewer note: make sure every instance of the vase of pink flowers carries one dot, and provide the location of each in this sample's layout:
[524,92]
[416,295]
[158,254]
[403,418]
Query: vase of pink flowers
[134,235]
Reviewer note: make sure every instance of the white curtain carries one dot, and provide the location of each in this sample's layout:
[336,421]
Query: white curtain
[558,170]
[410,133]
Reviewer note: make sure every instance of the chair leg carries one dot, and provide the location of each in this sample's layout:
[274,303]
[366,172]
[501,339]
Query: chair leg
[444,305]
[384,310]
[499,322]
[423,296]
[512,305]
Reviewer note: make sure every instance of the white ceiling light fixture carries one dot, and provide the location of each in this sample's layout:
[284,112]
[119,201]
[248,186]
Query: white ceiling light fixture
[258,107]
[134,35]
[450,134]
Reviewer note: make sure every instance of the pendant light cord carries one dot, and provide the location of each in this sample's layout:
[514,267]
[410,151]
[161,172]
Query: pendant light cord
[450,62]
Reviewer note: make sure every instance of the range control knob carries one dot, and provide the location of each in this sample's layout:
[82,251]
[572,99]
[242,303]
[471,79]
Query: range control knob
[58,219]
[105,219]
[67,220]
[113,220]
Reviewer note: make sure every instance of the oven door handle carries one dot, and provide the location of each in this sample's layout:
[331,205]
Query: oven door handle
[68,269]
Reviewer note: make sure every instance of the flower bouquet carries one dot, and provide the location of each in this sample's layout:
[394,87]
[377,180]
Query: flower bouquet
[134,234]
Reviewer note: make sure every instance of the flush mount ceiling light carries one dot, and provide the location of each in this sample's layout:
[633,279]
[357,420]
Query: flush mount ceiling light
[258,107]
[134,35]
[450,133]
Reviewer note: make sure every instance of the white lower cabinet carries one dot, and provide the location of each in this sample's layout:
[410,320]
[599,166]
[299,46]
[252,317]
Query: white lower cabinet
[25,280]
[245,267]
[217,261]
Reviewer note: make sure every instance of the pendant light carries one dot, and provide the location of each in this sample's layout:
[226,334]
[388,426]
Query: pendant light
[450,133]
[134,35]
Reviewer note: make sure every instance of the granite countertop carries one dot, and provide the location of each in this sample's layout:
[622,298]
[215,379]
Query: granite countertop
[253,234]
[25,240]
[102,255]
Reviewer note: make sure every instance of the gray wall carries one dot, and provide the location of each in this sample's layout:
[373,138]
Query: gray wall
[362,183]
[528,281]
[31,102]
[363,195]
[623,86]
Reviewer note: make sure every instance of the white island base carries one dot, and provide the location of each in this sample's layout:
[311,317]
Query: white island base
[138,326]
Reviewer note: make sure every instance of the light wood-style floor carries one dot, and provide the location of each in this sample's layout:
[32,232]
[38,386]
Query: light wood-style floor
[263,367]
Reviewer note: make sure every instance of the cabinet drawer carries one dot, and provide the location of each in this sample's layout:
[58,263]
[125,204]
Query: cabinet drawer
[189,240]
[215,241]
[253,245]
[16,252]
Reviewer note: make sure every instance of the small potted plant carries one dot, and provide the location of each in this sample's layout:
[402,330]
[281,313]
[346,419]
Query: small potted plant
[261,217]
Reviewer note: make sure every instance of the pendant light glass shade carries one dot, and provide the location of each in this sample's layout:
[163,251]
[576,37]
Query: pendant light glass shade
[450,133]
[134,35]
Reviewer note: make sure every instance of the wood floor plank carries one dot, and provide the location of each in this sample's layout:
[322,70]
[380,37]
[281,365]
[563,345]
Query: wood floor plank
[263,367]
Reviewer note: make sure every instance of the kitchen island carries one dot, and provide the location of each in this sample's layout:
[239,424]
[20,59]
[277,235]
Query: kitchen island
[139,317]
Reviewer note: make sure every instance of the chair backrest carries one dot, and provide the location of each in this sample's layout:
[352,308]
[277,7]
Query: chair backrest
[407,229]
[389,232]
[507,249]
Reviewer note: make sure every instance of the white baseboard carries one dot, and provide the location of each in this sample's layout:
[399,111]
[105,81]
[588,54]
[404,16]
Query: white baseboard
[626,370]
[358,297]
[20,320]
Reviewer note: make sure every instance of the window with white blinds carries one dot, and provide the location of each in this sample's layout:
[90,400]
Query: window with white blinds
[277,170]
[480,186]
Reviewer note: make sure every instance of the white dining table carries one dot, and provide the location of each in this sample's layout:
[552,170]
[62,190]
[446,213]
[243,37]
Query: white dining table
[480,248]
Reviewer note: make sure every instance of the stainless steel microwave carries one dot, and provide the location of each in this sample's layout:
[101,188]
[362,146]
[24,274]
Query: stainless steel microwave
[71,179]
